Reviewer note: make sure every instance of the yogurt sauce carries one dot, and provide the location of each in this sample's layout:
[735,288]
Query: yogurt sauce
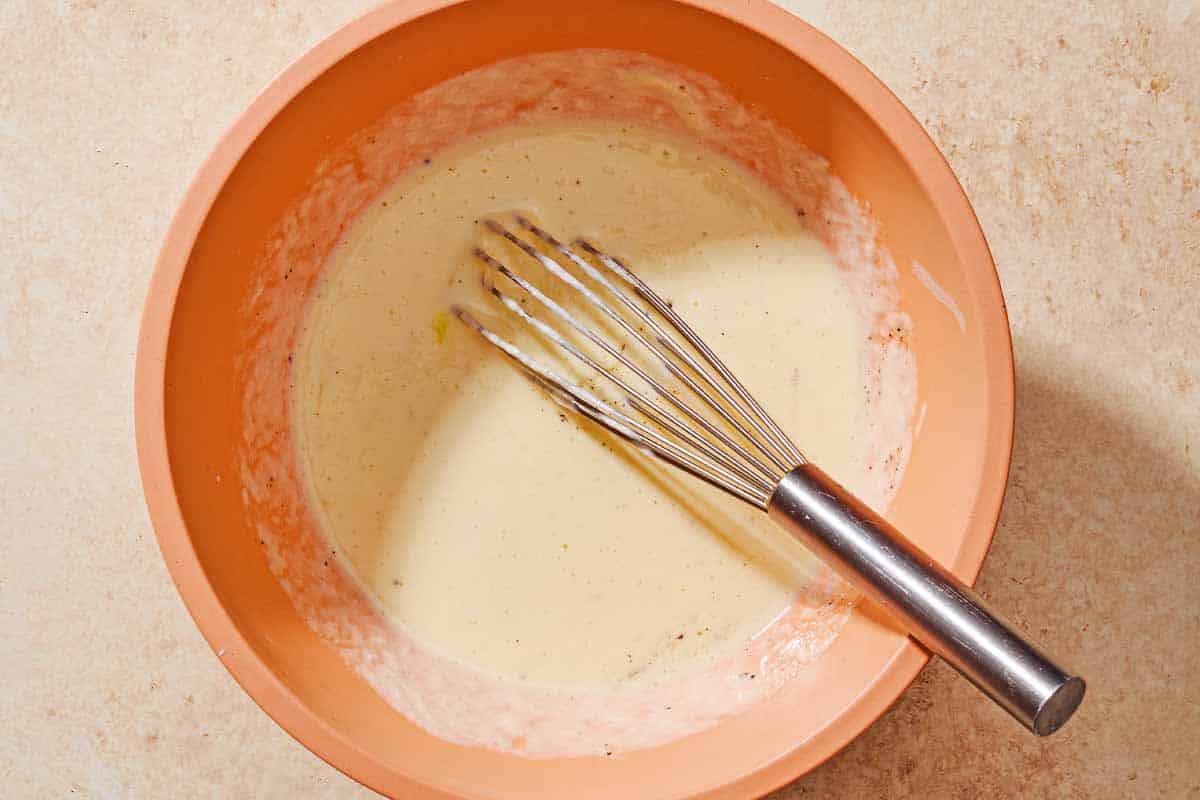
[497,530]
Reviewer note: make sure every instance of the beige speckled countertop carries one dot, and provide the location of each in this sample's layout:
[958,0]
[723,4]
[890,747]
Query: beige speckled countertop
[1076,132]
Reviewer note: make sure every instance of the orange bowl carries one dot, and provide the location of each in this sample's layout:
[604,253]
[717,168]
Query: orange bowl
[188,388]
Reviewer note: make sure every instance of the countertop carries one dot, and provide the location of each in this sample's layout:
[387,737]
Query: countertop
[1075,129]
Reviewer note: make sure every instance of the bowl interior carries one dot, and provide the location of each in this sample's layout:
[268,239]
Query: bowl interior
[188,388]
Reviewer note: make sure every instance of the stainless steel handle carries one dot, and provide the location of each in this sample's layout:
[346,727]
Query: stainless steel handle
[936,608]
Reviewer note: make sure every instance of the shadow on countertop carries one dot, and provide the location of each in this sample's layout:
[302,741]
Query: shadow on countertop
[1098,557]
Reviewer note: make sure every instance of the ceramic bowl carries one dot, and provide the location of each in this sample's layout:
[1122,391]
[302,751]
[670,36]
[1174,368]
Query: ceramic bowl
[189,388]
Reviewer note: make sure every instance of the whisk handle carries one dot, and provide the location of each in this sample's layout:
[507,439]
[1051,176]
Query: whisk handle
[936,608]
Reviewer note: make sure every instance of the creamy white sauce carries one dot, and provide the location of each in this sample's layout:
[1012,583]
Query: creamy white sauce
[487,523]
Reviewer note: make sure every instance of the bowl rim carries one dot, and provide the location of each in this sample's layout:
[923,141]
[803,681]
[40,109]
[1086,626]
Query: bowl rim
[774,23]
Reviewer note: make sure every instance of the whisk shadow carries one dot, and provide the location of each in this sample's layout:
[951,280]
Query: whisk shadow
[1093,499]
[749,533]
[745,530]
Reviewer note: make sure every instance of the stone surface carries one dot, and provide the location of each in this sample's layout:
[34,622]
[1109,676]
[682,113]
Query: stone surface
[1075,129]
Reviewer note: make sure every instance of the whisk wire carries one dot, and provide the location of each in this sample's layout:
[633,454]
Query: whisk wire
[578,399]
[557,270]
[773,431]
[657,414]
[669,341]
[760,476]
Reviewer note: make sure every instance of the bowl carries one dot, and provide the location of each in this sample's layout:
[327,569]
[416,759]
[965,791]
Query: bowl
[191,382]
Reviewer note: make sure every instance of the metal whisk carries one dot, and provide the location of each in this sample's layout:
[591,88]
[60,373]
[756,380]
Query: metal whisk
[678,401]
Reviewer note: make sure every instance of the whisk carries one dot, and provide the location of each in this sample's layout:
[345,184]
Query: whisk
[670,395]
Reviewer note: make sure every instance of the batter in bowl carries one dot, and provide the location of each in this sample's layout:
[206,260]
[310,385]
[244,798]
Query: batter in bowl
[495,529]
